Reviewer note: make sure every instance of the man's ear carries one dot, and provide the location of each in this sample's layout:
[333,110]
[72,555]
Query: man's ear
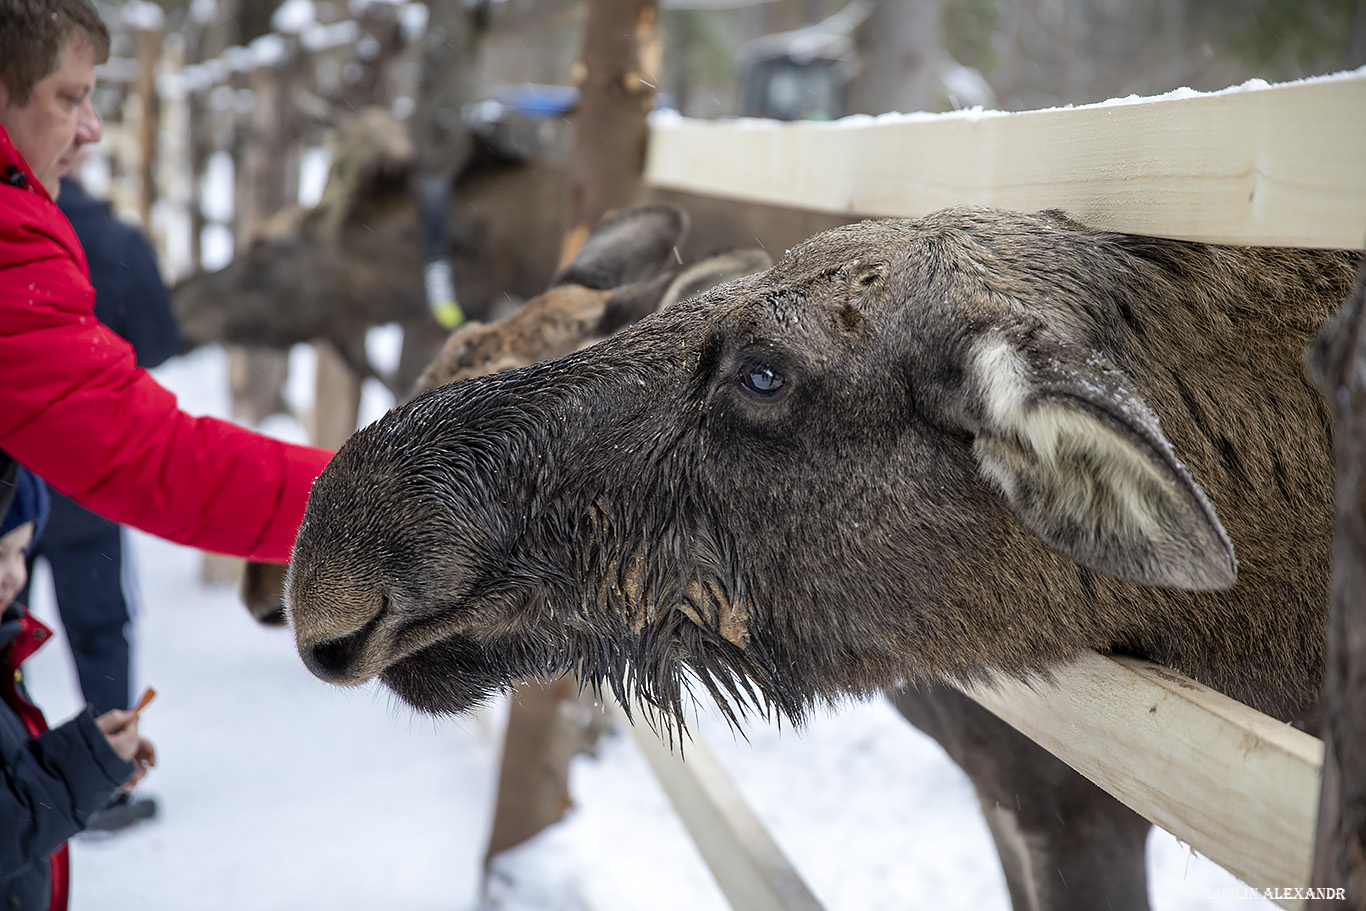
[1083,462]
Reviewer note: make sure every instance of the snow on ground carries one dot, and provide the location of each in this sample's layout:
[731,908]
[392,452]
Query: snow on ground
[281,792]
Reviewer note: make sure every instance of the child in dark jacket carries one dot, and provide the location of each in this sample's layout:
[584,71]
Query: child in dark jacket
[53,779]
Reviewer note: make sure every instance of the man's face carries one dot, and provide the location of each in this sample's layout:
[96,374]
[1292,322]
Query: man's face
[58,117]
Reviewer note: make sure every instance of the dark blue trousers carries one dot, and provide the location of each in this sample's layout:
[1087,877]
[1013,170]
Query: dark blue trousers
[85,553]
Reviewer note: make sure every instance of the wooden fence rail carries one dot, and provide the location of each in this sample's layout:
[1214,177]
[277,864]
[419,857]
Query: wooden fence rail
[1238,786]
[749,867]
[1272,165]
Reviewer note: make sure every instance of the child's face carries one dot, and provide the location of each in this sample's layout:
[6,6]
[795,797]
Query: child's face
[13,572]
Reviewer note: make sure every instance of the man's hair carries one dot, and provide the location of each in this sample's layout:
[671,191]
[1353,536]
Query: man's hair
[33,34]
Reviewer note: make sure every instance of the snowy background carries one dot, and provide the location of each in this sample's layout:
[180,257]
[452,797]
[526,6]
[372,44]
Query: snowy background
[278,791]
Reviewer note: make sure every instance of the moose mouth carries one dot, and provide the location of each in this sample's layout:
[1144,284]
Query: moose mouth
[446,677]
[450,677]
[439,668]
[432,663]
[660,666]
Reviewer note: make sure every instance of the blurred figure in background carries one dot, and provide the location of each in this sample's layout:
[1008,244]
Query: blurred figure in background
[91,567]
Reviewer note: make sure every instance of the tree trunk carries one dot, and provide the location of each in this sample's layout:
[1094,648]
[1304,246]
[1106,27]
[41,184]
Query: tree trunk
[616,73]
[899,48]
[1338,360]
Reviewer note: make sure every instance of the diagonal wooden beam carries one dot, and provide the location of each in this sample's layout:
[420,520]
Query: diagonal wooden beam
[748,865]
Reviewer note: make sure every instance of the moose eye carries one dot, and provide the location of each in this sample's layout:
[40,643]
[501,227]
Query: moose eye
[762,380]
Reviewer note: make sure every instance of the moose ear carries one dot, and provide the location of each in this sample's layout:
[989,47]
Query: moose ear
[1081,459]
[634,302]
[714,270]
[630,245]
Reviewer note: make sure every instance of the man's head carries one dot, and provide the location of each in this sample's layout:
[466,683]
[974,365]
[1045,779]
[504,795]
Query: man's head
[48,53]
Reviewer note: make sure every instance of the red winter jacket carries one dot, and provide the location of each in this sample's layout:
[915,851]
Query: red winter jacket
[77,410]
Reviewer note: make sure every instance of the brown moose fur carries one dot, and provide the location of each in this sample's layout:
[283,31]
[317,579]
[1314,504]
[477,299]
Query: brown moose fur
[355,260]
[639,242]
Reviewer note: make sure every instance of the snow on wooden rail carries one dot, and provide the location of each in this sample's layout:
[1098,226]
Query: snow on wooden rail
[1256,164]
[1239,787]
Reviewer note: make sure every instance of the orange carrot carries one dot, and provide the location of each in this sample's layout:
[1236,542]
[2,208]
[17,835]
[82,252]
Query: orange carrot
[146,697]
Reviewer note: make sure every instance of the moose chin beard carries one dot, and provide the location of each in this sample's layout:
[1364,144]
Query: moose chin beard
[665,668]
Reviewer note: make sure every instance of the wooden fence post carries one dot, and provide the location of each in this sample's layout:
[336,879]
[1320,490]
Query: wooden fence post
[144,95]
[199,147]
[1338,362]
[256,377]
[543,734]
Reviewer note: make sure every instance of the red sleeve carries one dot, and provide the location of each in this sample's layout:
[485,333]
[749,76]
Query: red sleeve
[80,413]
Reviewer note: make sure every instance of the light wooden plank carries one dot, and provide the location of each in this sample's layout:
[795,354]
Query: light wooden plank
[1278,165]
[1239,787]
[750,868]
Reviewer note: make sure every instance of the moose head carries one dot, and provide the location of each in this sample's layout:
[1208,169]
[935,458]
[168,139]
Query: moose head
[911,450]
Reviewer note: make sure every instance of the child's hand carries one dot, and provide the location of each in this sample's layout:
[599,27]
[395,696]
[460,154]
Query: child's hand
[120,727]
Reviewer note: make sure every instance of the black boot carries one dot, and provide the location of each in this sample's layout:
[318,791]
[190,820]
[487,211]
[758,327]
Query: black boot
[122,812]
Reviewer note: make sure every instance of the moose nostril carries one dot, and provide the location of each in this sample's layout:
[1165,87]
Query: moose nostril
[331,660]
[338,659]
